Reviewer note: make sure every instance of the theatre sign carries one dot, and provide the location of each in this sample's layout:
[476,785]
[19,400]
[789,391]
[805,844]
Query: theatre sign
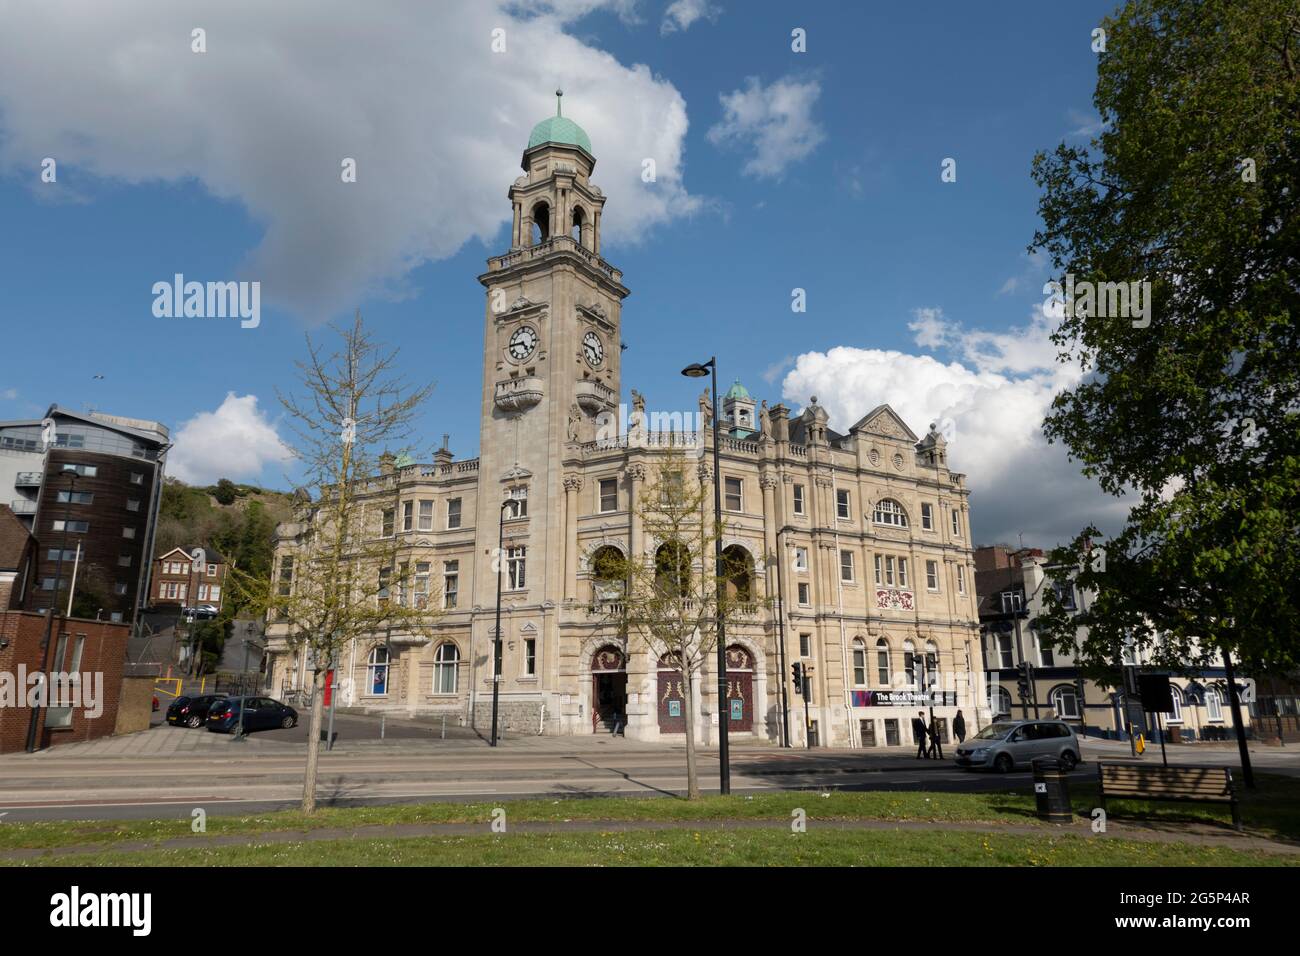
[904,698]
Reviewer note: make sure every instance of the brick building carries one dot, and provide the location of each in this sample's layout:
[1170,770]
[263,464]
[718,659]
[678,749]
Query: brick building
[94,650]
[176,583]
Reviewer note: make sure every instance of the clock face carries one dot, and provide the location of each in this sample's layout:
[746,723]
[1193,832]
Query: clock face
[593,350]
[522,343]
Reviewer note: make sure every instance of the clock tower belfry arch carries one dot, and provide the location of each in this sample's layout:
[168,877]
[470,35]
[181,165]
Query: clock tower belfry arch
[551,361]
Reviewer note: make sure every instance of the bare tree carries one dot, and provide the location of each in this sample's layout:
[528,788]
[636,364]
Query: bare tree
[673,597]
[344,572]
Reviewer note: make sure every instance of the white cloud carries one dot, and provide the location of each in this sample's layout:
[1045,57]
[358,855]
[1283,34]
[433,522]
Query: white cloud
[435,120]
[236,441]
[775,121]
[773,371]
[682,13]
[996,396]
[9,393]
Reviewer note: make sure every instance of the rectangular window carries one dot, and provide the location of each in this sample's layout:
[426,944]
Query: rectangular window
[85,471]
[902,572]
[1045,656]
[516,567]
[961,579]
[879,575]
[286,575]
[385,575]
[124,560]
[212,570]
[68,555]
[203,592]
[927,518]
[859,665]
[133,504]
[956,523]
[805,645]
[426,515]
[450,583]
[882,665]
[128,533]
[76,497]
[932,575]
[1011,601]
[530,657]
[214,592]
[420,590]
[453,513]
[408,515]
[889,571]
[732,496]
[804,594]
[137,478]
[119,588]
[1006,658]
[841,503]
[78,649]
[1065,595]
[608,494]
[846,566]
[386,530]
[72,527]
[519,498]
[798,499]
[801,559]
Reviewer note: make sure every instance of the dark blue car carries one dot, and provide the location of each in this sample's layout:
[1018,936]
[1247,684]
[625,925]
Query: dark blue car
[260,713]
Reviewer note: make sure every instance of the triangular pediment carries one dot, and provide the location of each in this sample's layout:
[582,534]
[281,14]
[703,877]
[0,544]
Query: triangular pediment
[883,420]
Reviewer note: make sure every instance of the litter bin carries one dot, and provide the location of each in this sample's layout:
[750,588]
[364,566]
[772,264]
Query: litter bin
[1051,791]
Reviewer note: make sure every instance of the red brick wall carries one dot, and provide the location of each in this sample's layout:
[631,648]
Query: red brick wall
[104,653]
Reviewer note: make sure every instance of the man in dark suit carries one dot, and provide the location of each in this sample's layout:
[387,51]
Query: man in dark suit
[919,734]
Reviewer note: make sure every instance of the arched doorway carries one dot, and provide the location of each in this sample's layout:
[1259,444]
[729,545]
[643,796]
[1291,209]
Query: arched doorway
[608,688]
[740,690]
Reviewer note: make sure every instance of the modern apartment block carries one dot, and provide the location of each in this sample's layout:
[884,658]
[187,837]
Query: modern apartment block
[88,487]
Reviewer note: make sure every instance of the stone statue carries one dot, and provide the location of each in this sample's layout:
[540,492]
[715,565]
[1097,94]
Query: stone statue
[764,418]
[638,403]
[706,409]
[575,416]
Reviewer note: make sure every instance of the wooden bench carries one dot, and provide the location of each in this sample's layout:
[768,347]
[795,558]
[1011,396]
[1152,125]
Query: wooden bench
[1129,781]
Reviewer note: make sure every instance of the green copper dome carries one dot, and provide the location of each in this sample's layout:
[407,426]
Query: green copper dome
[558,129]
[737,391]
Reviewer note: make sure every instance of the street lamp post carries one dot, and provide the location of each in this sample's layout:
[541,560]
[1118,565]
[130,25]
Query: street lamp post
[46,645]
[700,370]
[496,642]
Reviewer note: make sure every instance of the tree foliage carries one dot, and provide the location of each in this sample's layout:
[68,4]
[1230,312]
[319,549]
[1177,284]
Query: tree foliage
[1191,186]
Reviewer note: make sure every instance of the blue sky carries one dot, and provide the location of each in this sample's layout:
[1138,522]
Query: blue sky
[825,175]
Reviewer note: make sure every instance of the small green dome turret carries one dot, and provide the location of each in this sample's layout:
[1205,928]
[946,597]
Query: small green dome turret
[560,130]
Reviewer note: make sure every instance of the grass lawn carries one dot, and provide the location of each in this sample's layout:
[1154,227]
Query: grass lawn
[685,847]
[1273,811]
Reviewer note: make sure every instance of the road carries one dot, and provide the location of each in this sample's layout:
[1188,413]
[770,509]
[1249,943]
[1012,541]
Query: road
[88,781]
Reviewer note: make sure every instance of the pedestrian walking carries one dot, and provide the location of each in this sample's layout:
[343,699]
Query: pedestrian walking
[936,746]
[919,735]
[618,726]
[959,727]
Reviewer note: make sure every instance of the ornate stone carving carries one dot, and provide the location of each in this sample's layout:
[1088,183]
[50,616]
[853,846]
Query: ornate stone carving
[636,471]
[575,418]
[573,482]
[518,394]
[705,472]
[767,481]
[594,397]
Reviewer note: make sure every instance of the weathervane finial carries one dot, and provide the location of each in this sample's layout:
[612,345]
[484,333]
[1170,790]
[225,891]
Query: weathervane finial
[558,93]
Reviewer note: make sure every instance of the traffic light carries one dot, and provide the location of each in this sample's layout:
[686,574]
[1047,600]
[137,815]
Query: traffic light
[797,671]
[1022,681]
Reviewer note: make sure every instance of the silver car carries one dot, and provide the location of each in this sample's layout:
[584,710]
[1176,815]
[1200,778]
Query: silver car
[1008,744]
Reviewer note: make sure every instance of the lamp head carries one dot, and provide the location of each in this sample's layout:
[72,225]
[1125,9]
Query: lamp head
[696,371]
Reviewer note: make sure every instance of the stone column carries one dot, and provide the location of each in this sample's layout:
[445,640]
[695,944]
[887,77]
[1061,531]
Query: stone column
[595,232]
[635,544]
[518,239]
[572,485]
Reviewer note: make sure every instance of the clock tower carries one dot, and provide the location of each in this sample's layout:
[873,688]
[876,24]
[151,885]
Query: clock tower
[550,367]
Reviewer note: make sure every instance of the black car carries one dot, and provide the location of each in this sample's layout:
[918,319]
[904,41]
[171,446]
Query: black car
[260,713]
[191,711]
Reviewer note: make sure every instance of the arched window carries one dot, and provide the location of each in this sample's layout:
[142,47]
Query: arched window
[738,570]
[999,701]
[1065,701]
[444,668]
[882,662]
[1213,703]
[673,569]
[579,229]
[607,574]
[541,216]
[909,662]
[377,671]
[859,663]
[889,511]
[1175,716]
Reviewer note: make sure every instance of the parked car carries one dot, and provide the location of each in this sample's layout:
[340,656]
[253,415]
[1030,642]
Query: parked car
[203,612]
[1008,744]
[260,713]
[192,711]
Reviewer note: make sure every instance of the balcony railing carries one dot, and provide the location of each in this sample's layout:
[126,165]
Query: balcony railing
[27,479]
[21,506]
[554,244]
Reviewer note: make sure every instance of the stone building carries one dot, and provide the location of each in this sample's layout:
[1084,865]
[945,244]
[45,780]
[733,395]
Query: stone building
[856,547]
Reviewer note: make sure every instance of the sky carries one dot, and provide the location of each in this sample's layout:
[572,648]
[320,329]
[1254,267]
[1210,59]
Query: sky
[776,170]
